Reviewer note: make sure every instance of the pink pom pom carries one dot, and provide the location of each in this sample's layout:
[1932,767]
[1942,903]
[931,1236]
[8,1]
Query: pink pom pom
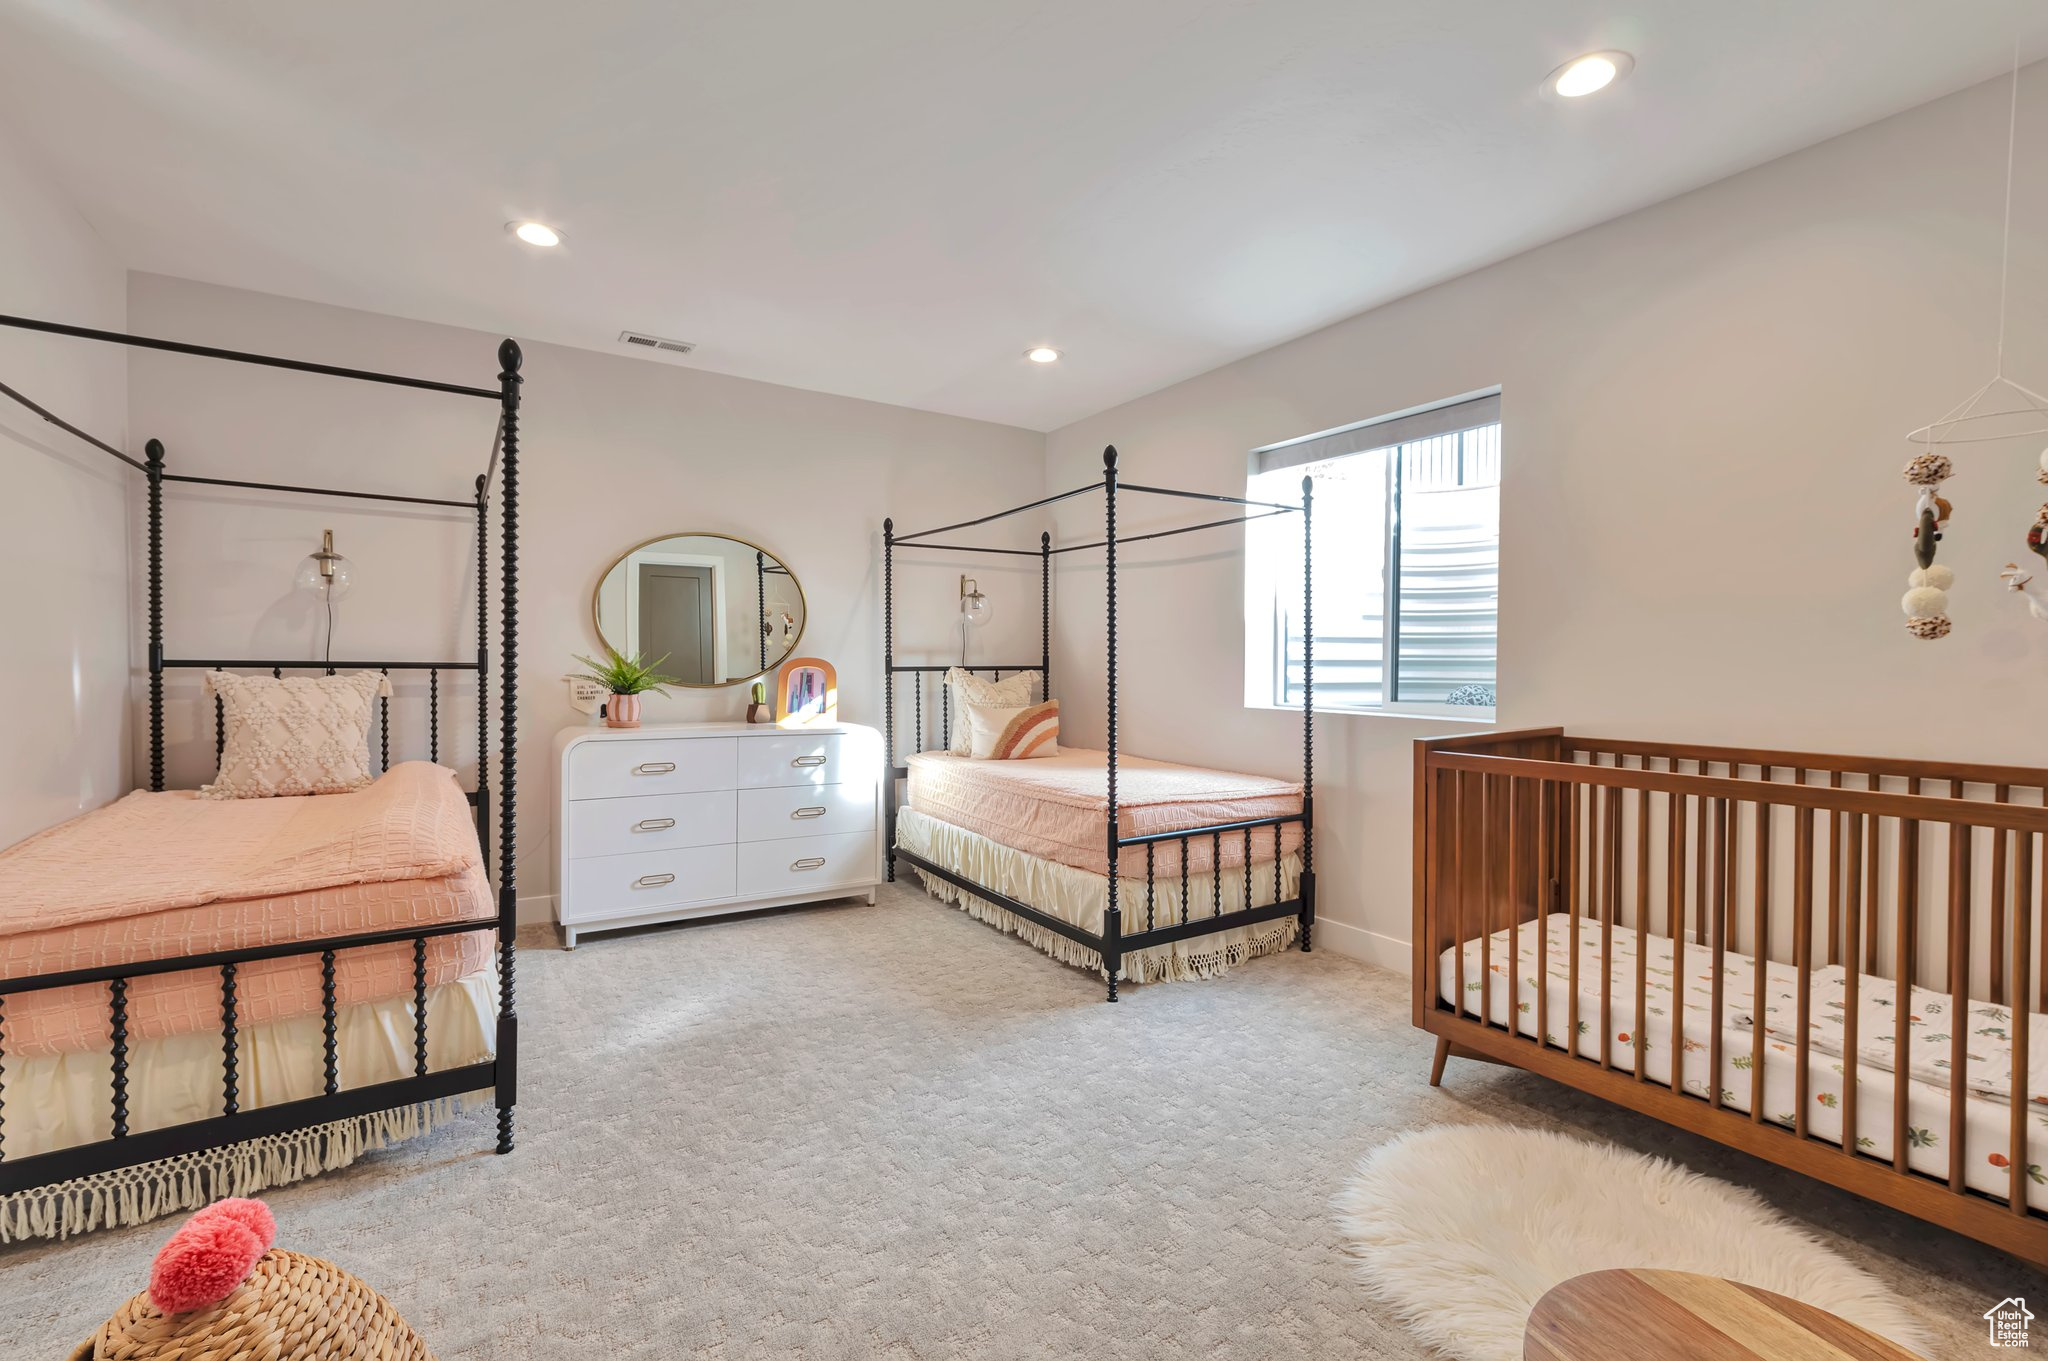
[203,1263]
[252,1215]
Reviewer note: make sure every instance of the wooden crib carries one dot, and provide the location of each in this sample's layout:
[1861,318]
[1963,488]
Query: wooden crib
[1721,933]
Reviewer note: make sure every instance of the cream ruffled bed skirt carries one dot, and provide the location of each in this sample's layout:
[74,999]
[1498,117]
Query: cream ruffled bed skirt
[1076,896]
[58,1101]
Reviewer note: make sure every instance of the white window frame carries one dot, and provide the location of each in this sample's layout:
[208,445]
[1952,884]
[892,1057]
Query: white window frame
[1265,623]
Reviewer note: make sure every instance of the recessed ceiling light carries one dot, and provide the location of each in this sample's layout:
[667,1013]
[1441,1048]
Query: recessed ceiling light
[1042,354]
[535,233]
[1589,74]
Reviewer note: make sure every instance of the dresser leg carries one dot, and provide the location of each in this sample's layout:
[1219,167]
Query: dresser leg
[874,895]
[568,938]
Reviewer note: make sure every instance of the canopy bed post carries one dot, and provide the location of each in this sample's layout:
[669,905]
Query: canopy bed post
[1112,916]
[1308,712]
[154,451]
[889,693]
[483,666]
[508,758]
[1045,615]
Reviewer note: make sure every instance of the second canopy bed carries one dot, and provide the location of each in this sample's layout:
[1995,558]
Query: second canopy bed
[1141,870]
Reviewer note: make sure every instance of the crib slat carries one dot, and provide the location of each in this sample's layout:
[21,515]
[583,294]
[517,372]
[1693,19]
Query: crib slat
[2021,1025]
[1676,918]
[1871,929]
[1836,840]
[230,1043]
[1717,924]
[1761,948]
[1850,950]
[1460,935]
[1904,971]
[1574,826]
[1802,963]
[1958,1001]
[329,1052]
[1488,853]
[1639,1032]
[1546,899]
[1514,906]
[1610,870]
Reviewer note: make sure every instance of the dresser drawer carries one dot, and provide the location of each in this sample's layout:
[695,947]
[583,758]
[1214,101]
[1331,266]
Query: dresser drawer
[624,885]
[772,868]
[805,810]
[651,822]
[797,759]
[613,770]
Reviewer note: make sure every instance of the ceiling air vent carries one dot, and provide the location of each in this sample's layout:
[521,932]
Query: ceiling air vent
[648,342]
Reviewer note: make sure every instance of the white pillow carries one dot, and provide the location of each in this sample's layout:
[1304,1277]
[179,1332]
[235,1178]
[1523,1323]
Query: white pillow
[1012,733]
[963,690]
[301,735]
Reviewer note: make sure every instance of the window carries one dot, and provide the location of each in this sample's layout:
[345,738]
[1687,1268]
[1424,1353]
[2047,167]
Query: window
[1407,564]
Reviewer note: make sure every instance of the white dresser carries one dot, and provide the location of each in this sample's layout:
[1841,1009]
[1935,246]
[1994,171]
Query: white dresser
[685,820]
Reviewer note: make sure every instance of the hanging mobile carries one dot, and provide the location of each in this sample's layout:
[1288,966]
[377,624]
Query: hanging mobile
[1926,598]
[2002,409]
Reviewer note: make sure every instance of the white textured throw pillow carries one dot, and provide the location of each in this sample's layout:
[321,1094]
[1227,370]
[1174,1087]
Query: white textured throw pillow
[300,735]
[1010,692]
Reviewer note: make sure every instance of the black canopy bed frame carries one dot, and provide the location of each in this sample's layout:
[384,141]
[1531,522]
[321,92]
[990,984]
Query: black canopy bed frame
[497,1075]
[1113,941]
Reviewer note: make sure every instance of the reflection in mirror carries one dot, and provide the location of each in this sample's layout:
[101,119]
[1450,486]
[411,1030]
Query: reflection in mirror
[721,610]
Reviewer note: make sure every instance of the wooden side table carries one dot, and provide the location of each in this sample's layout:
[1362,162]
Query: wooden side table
[1632,1314]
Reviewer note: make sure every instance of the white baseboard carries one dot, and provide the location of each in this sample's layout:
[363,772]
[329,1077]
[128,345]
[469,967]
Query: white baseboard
[537,909]
[1355,942]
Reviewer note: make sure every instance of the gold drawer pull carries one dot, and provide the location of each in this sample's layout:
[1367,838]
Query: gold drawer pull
[809,863]
[808,761]
[655,824]
[654,880]
[808,813]
[654,767]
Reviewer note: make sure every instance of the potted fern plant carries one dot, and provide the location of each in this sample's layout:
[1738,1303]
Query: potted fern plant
[627,678]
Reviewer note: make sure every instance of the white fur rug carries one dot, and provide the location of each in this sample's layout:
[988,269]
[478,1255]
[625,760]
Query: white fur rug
[1461,1230]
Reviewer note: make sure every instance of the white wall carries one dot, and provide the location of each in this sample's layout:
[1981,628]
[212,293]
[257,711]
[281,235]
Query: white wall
[615,451]
[1704,531]
[64,528]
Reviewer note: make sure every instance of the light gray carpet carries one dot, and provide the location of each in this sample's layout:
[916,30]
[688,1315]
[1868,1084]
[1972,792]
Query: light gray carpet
[891,1132]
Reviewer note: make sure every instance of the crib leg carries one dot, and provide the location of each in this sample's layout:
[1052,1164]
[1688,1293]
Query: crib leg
[1436,1067]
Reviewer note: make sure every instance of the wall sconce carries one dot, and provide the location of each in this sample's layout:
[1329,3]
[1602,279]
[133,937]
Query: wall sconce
[974,606]
[326,573]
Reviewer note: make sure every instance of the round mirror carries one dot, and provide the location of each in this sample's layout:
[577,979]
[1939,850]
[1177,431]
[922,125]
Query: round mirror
[719,609]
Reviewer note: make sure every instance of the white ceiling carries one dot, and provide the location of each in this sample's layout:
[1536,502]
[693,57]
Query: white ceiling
[892,199]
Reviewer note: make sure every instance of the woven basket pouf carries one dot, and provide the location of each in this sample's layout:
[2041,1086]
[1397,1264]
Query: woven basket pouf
[287,1307]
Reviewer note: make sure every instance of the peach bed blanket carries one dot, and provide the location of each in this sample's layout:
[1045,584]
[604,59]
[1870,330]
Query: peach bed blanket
[154,876]
[1056,807]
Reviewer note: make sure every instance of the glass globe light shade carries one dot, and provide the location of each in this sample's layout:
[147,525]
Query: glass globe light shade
[975,607]
[326,573]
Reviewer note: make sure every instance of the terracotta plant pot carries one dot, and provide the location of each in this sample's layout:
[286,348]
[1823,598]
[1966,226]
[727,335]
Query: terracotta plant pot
[622,711]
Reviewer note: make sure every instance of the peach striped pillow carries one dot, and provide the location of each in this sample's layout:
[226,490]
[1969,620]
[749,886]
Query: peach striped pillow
[1000,733]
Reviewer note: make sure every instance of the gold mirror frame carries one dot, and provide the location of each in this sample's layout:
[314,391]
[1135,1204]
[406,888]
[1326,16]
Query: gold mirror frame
[803,601]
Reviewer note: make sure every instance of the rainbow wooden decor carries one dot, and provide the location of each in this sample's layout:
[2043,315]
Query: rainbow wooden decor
[806,693]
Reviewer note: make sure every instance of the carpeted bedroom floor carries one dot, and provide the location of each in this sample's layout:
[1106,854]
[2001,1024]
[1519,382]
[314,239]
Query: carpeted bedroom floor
[889,1132]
